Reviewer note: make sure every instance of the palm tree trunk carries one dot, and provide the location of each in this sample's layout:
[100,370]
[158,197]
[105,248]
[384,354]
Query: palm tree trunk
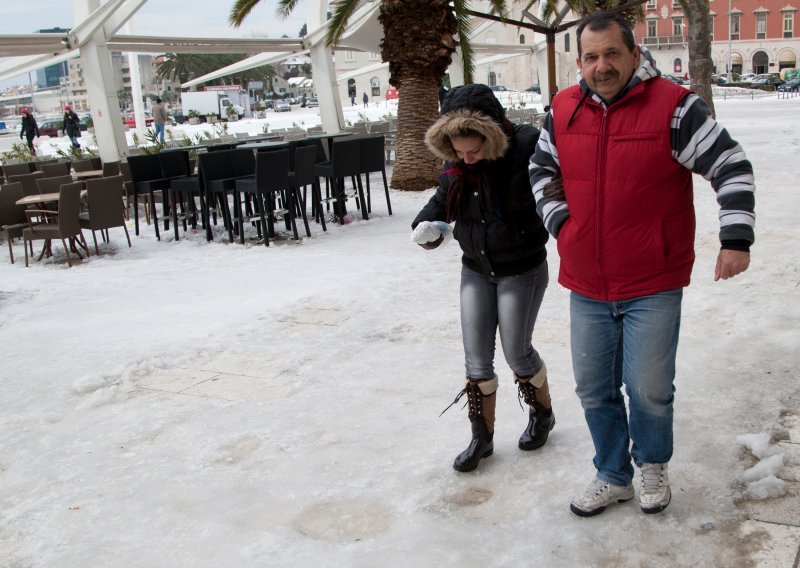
[700,63]
[416,168]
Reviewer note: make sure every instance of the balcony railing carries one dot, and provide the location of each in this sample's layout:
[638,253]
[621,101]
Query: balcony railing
[665,40]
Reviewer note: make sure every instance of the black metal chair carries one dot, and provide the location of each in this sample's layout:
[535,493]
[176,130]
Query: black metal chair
[271,181]
[373,160]
[28,182]
[302,174]
[217,177]
[146,179]
[345,162]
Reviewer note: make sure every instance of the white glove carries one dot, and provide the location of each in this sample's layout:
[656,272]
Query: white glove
[431,234]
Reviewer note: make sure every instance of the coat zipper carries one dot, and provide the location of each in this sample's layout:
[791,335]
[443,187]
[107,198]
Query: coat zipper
[599,203]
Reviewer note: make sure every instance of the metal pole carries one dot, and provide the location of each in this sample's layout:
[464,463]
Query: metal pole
[730,32]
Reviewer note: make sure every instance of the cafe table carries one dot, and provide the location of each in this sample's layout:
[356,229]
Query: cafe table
[88,174]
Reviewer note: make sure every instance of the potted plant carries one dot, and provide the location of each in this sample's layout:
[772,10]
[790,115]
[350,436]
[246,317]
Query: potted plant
[231,113]
[194,117]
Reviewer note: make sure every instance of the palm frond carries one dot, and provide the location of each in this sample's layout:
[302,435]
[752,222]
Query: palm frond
[338,22]
[461,11]
[240,10]
[498,7]
[286,7]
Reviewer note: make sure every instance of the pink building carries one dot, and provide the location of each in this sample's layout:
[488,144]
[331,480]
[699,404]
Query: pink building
[760,36]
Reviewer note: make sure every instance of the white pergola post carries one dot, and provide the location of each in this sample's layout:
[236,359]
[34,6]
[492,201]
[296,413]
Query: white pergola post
[456,69]
[97,73]
[330,106]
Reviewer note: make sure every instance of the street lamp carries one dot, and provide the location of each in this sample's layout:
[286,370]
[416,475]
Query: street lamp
[730,32]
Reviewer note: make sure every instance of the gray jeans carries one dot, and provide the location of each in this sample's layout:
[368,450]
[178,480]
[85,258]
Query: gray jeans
[510,303]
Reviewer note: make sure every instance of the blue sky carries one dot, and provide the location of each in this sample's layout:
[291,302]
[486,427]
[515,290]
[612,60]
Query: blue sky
[202,18]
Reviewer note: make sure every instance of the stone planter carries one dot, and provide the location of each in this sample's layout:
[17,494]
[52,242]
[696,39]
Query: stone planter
[194,120]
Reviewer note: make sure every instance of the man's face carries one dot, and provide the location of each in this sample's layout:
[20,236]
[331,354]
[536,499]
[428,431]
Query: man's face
[606,62]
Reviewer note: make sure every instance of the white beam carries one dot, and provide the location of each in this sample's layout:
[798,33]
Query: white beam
[243,65]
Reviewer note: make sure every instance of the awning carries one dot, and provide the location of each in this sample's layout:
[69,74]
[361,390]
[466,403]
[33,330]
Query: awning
[736,59]
[787,56]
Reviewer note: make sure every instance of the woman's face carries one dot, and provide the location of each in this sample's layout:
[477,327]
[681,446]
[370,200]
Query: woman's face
[469,149]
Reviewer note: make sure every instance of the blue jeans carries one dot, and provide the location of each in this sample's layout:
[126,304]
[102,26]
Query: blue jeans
[631,342]
[510,303]
[74,139]
[159,128]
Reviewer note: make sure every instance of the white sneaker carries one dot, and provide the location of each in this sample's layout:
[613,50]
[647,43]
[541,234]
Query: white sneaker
[654,492]
[599,495]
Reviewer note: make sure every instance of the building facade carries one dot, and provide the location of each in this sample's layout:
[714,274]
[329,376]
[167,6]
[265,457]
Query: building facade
[753,36]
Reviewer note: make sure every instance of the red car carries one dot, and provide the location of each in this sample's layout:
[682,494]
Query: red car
[130,120]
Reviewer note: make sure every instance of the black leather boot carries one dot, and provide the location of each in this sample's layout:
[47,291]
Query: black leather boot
[481,417]
[481,446]
[540,418]
[540,421]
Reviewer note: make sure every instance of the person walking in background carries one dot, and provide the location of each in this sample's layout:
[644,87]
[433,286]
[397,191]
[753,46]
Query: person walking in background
[159,119]
[30,129]
[484,188]
[365,98]
[72,126]
[612,177]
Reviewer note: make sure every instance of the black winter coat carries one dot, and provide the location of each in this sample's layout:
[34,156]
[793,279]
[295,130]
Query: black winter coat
[507,237]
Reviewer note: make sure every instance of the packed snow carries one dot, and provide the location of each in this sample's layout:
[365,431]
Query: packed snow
[212,404]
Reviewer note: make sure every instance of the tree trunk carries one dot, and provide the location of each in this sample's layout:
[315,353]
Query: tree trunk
[700,63]
[416,168]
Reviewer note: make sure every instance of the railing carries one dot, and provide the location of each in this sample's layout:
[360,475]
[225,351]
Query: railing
[665,40]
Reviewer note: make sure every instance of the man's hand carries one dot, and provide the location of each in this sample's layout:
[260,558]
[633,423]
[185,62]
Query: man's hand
[730,263]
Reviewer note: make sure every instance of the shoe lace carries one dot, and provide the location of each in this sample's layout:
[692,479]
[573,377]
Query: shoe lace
[652,477]
[455,400]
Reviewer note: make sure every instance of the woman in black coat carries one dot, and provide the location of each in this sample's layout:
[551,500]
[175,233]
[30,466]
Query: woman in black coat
[485,190]
[30,129]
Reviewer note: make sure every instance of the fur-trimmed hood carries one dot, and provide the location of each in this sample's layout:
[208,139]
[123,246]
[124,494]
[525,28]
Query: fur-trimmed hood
[465,109]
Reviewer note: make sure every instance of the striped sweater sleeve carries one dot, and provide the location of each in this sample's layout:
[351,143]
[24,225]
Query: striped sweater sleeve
[702,145]
[543,167]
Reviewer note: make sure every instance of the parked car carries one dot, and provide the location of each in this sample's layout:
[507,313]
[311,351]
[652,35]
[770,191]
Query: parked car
[282,106]
[501,89]
[86,122]
[674,79]
[534,89]
[130,120]
[792,85]
[178,117]
[51,128]
[766,79]
[747,78]
[312,102]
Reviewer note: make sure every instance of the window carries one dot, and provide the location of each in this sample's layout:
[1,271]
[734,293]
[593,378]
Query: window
[711,26]
[522,39]
[788,24]
[651,28]
[677,26]
[375,84]
[651,4]
[734,34]
[676,4]
[349,55]
[374,56]
[761,25]
[566,43]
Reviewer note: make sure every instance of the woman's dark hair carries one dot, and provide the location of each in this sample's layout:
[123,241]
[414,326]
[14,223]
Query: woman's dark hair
[603,20]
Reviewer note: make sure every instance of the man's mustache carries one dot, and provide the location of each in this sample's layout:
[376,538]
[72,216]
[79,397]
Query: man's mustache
[605,76]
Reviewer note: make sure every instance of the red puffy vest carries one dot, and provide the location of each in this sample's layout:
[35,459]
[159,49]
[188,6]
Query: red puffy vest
[631,227]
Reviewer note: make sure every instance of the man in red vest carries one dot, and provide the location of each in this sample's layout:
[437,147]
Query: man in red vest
[612,178]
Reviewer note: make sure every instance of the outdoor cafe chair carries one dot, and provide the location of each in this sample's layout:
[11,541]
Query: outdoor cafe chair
[345,162]
[373,160]
[146,178]
[302,175]
[52,184]
[83,165]
[271,181]
[217,177]
[12,216]
[61,224]
[111,169]
[16,169]
[54,169]
[28,182]
[106,210]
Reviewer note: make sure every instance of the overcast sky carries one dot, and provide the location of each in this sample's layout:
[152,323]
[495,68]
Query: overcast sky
[201,18]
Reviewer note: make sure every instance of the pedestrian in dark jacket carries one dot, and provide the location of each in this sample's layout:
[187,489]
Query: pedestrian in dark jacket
[72,126]
[365,99]
[485,190]
[30,129]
